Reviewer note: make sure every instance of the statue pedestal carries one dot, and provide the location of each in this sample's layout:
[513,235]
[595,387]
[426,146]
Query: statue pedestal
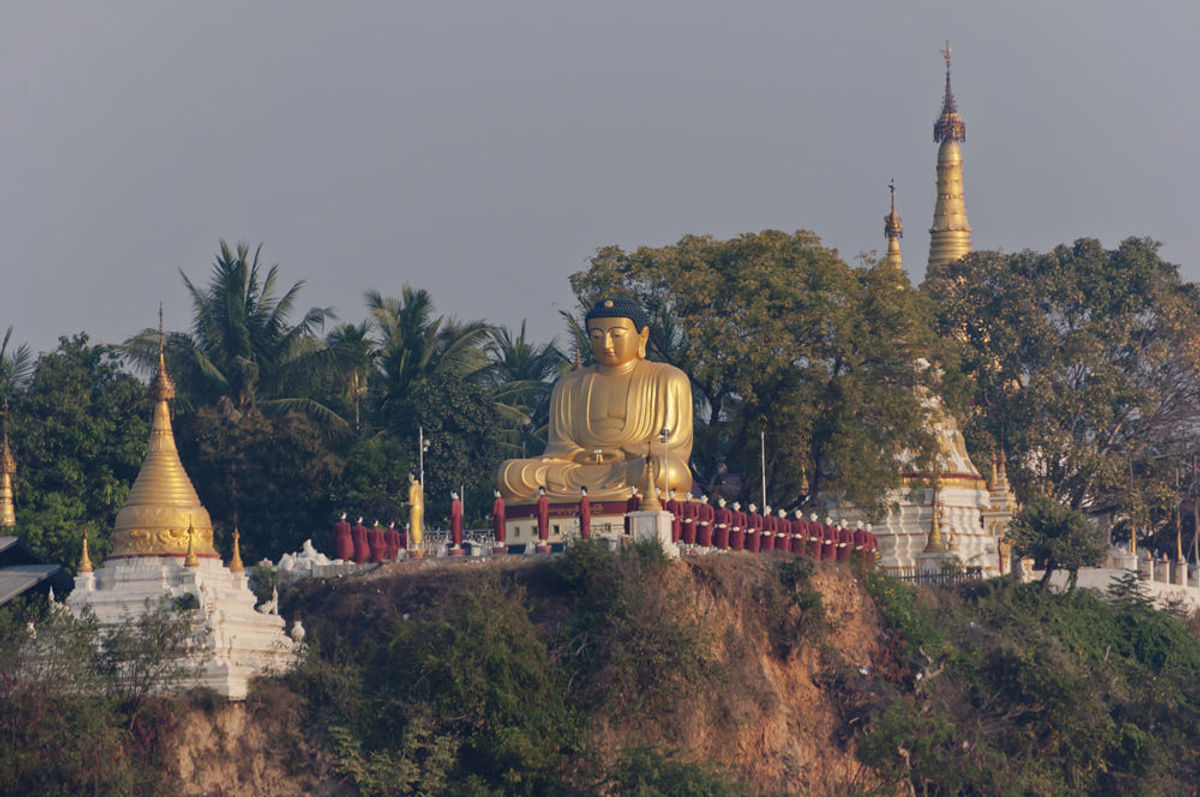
[543,547]
[416,553]
[654,525]
[457,551]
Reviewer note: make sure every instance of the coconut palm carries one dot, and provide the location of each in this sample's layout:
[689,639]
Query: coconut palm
[415,346]
[352,356]
[242,351]
[522,375]
[15,366]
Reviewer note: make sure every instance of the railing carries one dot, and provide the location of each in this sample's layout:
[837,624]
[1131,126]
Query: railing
[940,577]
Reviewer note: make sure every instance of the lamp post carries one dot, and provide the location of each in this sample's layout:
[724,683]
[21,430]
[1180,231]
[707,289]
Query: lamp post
[422,447]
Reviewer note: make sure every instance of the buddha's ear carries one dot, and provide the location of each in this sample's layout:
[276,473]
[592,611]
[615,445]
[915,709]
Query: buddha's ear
[643,337]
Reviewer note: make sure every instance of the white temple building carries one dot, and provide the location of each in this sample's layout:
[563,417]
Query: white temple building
[163,548]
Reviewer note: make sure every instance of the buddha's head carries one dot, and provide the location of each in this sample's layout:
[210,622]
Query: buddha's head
[618,330]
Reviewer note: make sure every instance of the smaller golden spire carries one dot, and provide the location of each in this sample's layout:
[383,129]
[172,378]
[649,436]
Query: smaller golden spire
[235,563]
[85,561]
[893,231]
[190,560]
[162,388]
[936,543]
[8,469]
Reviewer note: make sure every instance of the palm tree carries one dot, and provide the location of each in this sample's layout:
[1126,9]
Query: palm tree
[352,357]
[414,345]
[242,350]
[15,367]
[522,375]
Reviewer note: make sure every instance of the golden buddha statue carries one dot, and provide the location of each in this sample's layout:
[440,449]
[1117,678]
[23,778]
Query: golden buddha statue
[416,512]
[608,419]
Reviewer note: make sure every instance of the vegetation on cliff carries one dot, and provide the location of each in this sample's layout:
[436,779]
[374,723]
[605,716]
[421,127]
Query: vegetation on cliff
[604,672]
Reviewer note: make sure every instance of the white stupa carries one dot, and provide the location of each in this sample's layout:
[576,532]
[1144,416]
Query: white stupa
[163,547]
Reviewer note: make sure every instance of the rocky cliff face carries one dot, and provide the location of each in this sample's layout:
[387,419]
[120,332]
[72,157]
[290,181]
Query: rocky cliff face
[781,721]
[780,715]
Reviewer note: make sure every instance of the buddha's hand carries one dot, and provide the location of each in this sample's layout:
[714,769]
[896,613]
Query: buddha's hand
[600,456]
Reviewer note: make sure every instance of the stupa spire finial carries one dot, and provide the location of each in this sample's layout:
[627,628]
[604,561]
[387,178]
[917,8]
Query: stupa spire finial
[893,231]
[949,124]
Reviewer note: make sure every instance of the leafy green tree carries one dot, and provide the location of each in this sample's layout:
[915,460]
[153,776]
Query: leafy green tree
[780,336]
[79,430]
[1084,365]
[374,482]
[274,472]
[1056,537]
[462,429]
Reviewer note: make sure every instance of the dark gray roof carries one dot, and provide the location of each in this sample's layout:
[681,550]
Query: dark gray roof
[18,578]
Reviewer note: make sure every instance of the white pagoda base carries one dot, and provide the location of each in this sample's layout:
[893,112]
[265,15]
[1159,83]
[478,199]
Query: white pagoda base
[904,532]
[241,642]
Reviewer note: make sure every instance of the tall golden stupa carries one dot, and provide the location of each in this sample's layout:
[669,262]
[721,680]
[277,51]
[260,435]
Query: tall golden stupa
[950,235]
[162,504]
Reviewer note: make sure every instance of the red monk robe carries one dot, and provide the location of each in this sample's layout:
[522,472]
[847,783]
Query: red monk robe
[724,519]
[543,517]
[754,523]
[689,513]
[377,543]
[737,529]
[498,519]
[343,543]
[705,517]
[362,548]
[393,541]
[456,520]
[585,514]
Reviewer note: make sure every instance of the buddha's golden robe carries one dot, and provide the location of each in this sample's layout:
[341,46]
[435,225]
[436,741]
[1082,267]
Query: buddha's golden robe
[619,415]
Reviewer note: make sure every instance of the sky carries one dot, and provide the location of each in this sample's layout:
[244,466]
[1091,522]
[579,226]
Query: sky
[484,150]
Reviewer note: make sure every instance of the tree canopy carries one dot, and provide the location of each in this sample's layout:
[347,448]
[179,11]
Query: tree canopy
[781,336]
[1085,366]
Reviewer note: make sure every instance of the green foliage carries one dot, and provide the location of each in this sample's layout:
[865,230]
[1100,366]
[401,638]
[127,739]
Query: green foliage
[1083,364]
[75,711]
[778,335]
[374,482]
[1015,691]
[629,659]
[79,429]
[457,692]
[1056,537]
[274,472]
[644,772]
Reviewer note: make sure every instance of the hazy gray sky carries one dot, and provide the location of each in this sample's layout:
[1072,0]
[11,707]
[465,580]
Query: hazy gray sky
[483,150]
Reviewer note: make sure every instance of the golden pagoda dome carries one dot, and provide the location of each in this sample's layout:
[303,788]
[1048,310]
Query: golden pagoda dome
[163,504]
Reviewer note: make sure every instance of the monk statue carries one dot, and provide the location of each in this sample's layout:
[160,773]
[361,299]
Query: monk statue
[606,420]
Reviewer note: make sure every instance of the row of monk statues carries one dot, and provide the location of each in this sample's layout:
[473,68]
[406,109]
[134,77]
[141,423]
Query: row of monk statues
[617,427]
[358,543]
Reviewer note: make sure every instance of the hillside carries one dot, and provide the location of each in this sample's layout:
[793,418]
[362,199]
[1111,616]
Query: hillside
[601,673]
